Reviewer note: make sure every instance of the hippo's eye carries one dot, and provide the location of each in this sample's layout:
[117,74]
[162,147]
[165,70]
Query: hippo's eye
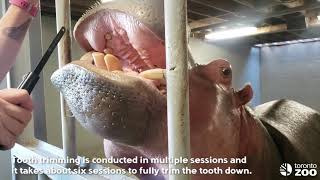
[226,72]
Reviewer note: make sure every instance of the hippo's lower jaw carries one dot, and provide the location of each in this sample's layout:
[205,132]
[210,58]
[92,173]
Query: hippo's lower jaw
[116,106]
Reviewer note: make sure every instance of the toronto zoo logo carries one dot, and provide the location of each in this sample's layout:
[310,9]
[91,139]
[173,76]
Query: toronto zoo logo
[285,169]
[299,169]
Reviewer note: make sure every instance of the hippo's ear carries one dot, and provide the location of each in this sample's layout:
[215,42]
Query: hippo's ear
[244,96]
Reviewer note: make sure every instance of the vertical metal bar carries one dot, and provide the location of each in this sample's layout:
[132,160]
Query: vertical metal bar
[13,166]
[177,83]
[64,53]
[35,45]
[43,177]
[4,5]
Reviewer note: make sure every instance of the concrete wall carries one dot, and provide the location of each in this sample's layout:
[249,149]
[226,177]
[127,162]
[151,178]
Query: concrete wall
[243,58]
[292,72]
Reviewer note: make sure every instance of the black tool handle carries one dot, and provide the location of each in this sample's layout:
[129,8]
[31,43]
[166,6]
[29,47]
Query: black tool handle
[49,51]
[29,81]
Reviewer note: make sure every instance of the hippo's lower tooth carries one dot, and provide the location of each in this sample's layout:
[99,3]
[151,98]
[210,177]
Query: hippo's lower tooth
[154,74]
[112,62]
[87,56]
[99,60]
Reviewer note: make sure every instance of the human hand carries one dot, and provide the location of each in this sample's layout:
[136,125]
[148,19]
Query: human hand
[15,113]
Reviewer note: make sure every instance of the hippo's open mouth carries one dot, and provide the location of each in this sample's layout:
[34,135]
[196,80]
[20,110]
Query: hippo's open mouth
[119,83]
[124,45]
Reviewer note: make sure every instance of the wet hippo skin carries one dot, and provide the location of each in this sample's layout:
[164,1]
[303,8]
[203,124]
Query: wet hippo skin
[127,107]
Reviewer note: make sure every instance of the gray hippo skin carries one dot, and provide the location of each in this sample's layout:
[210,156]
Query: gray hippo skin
[295,130]
[123,100]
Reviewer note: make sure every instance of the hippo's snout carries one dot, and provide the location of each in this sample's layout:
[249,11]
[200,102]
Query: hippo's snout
[115,106]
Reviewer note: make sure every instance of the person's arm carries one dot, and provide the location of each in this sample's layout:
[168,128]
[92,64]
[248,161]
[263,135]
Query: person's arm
[13,27]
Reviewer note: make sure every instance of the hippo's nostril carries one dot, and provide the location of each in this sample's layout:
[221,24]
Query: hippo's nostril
[114,114]
[108,36]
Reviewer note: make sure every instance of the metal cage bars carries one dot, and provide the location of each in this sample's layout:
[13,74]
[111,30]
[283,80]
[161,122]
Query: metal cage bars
[177,90]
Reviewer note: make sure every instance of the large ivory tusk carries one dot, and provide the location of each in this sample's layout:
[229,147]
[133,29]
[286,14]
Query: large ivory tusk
[154,74]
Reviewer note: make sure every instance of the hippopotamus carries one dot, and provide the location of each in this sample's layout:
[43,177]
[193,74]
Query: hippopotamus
[118,91]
